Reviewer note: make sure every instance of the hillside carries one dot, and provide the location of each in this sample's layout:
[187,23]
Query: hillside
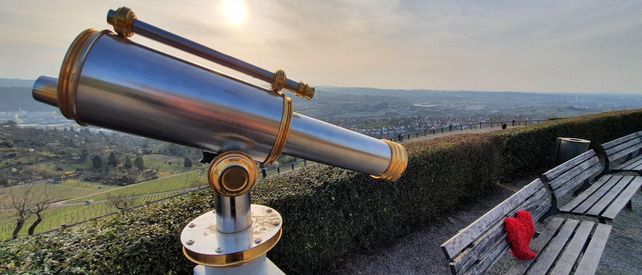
[19,98]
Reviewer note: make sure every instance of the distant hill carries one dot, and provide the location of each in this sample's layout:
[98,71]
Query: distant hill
[349,102]
[19,98]
[16,82]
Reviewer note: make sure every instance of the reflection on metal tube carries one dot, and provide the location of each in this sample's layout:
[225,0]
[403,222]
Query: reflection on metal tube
[114,83]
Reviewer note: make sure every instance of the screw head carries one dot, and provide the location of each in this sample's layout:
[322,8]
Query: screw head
[191,225]
[276,223]
[219,250]
[269,210]
[257,241]
[190,242]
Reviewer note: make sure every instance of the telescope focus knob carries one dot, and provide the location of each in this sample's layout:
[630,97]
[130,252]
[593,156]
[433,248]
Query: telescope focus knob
[123,21]
[232,174]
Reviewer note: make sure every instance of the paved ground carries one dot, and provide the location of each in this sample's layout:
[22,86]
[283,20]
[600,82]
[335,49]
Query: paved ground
[419,253]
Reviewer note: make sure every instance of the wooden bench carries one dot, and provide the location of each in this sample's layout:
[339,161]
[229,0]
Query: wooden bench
[623,154]
[563,245]
[603,199]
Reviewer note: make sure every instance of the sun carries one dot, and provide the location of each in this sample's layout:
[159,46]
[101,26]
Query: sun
[234,12]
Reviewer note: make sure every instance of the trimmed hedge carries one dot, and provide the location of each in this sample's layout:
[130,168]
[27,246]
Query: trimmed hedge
[328,212]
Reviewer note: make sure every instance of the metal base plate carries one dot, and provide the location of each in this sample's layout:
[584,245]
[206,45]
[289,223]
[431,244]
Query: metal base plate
[260,266]
[203,244]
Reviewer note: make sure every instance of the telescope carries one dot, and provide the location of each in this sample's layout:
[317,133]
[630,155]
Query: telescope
[109,81]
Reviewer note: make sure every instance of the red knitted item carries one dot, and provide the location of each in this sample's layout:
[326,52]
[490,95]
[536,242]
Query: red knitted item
[519,232]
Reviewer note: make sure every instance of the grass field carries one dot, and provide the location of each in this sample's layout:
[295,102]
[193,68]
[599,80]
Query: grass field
[167,165]
[81,201]
[177,182]
[59,215]
[61,191]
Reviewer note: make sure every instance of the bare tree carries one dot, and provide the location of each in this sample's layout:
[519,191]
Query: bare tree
[20,202]
[41,203]
[28,200]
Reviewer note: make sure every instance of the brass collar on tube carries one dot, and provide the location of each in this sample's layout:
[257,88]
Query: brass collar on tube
[71,69]
[398,162]
[284,129]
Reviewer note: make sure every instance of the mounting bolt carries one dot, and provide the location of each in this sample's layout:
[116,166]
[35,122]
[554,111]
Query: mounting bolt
[191,225]
[219,250]
[190,242]
[257,241]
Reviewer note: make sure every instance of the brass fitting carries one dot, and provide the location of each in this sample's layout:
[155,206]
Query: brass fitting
[70,72]
[398,162]
[232,174]
[305,91]
[123,21]
[284,130]
[278,83]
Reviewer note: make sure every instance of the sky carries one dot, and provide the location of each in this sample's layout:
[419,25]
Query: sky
[539,46]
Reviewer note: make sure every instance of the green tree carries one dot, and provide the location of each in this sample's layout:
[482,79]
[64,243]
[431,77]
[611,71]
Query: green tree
[138,163]
[84,154]
[97,162]
[4,182]
[111,160]
[187,162]
[128,163]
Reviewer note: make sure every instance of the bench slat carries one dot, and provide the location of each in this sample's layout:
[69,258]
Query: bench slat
[566,188]
[623,198]
[637,168]
[610,196]
[465,237]
[618,156]
[625,146]
[604,191]
[538,244]
[615,142]
[630,164]
[570,255]
[545,260]
[593,253]
[573,173]
[492,257]
[496,234]
[589,191]
[560,169]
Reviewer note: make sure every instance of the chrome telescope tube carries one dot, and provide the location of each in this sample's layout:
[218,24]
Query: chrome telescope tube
[112,82]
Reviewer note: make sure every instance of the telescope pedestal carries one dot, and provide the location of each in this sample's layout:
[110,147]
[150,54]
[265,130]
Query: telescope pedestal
[232,253]
[259,266]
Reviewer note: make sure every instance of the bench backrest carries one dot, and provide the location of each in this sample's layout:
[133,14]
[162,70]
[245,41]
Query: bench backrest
[572,174]
[477,247]
[622,147]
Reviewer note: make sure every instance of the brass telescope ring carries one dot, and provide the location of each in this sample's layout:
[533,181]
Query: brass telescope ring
[398,162]
[70,72]
[284,130]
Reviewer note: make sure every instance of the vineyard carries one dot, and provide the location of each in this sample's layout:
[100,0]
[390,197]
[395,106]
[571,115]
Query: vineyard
[192,179]
[97,200]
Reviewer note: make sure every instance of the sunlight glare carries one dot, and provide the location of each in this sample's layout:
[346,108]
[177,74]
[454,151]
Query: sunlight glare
[234,12]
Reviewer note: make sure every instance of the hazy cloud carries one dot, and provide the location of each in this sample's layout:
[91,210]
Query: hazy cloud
[580,46]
